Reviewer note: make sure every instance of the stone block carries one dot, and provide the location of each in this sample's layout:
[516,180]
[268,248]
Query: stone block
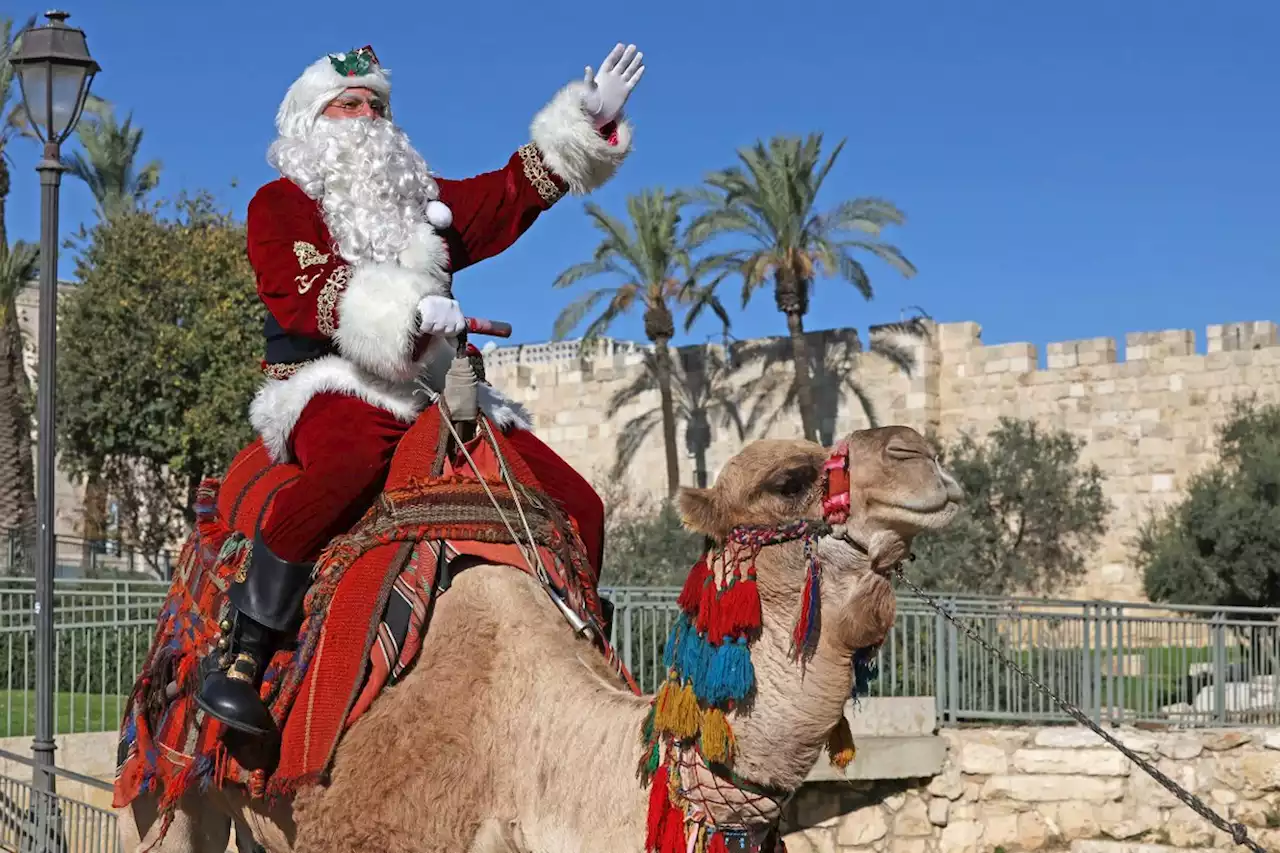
[981,759]
[939,808]
[961,837]
[1235,337]
[887,758]
[1078,737]
[913,820]
[893,716]
[952,337]
[862,827]
[1053,788]
[1084,762]
[1154,346]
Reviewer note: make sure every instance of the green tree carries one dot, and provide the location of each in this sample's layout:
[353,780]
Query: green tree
[108,163]
[646,544]
[161,343]
[108,166]
[652,266]
[702,391]
[1032,514]
[835,357]
[1221,543]
[770,202]
[17,493]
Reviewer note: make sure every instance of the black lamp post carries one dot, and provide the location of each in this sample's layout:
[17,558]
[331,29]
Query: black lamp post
[55,70]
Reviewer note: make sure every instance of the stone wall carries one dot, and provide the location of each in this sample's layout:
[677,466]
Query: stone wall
[1147,416]
[1147,409]
[1052,789]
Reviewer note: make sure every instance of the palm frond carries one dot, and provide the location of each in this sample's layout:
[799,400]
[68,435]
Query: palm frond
[575,312]
[864,400]
[19,266]
[632,438]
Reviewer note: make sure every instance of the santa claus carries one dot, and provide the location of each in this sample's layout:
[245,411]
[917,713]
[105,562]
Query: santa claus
[354,248]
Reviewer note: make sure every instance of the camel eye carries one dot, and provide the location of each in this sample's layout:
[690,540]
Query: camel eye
[793,484]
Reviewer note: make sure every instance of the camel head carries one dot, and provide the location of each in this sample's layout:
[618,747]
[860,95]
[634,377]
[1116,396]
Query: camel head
[896,490]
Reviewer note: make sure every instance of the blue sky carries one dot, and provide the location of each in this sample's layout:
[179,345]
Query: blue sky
[1068,170]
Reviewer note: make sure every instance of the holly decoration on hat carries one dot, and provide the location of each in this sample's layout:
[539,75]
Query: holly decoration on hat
[354,63]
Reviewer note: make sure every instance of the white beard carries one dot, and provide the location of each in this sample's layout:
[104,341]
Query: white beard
[373,187]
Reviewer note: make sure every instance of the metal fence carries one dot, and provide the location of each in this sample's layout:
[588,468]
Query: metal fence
[75,557]
[1121,662]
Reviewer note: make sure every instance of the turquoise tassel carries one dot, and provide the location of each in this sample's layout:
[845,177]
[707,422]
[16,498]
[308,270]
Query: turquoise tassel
[675,639]
[695,658]
[730,676]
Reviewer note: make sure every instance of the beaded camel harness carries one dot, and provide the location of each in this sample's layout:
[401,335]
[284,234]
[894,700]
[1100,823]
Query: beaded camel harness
[697,804]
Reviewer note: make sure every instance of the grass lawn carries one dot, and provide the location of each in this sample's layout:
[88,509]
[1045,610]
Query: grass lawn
[74,713]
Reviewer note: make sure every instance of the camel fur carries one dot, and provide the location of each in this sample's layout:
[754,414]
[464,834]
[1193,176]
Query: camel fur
[511,735]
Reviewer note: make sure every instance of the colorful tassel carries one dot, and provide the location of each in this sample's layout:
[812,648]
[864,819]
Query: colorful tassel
[810,604]
[678,713]
[840,746]
[707,605]
[865,669]
[731,675]
[691,596]
[696,658]
[717,844]
[659,805]
[675,642]
[717,738]
[673,833]
[738,612]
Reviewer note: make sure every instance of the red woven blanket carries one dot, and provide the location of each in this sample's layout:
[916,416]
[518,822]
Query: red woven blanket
[363,617]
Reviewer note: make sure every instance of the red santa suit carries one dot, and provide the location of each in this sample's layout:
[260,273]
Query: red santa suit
[344,354]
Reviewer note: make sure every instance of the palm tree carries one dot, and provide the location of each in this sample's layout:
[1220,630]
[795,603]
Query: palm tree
[651,262]
[17,482]
[108,164]
[834,358]
[770,201]
[703,387]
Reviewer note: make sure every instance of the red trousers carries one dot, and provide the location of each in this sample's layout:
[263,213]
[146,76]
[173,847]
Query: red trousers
[344,447]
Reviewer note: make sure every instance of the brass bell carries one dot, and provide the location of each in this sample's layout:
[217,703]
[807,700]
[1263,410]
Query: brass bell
[225,625]
[223,644]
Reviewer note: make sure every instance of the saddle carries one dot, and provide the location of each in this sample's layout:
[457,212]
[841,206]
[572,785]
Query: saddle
[445,506]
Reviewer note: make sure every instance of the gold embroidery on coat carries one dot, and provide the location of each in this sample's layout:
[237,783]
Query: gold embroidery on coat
[537,173]
[327,300]
[308,255]
[305,281]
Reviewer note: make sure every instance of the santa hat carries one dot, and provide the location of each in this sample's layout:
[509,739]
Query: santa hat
[326,79]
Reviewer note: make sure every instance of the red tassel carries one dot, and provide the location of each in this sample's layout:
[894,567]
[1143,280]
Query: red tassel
[707,607]
[691,595]
[717,844]
[737,612]
[659,805]
[673,838]
[808,611]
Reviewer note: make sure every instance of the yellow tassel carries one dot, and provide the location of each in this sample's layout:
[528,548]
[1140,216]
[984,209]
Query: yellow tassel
[840,746]
[684,712]
[717,737]
[676,713]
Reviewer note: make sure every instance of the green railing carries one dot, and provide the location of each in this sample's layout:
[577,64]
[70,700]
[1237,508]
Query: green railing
[1121,662]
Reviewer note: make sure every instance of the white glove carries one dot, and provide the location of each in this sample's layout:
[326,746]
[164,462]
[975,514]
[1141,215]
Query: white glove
[439,315]
[609,90]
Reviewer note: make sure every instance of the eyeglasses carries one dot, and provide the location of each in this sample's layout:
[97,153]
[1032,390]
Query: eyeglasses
[353,104]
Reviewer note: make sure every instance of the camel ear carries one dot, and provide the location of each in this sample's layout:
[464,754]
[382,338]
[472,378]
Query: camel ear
[697,510]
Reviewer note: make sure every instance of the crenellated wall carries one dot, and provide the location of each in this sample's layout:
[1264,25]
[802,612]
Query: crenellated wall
[1147,411]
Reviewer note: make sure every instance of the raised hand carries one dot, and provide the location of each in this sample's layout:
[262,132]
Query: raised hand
[608,90]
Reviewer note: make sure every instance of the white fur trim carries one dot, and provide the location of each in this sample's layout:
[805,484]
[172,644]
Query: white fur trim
[500,409]
[316,87]
[378,317]
[279,402]
[427,251]
[504,412]
[439,214]
[572,147]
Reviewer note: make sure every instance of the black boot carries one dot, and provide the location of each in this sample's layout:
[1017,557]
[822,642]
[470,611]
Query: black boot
[265,606]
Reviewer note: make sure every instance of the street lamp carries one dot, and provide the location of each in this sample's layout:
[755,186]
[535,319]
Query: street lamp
[55,70]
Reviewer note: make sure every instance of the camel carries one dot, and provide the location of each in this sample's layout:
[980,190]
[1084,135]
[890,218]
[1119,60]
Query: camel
[511,734]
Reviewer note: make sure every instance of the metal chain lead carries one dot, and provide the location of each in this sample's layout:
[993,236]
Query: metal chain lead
[1238,832]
